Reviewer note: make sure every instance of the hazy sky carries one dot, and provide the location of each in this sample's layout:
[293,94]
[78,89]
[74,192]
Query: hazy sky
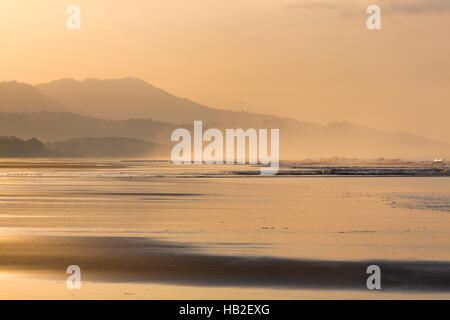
[313,60]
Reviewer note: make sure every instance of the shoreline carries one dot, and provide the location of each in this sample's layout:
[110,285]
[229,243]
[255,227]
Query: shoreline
[144,260]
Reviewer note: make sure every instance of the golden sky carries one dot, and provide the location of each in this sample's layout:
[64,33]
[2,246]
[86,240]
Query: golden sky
[313,60]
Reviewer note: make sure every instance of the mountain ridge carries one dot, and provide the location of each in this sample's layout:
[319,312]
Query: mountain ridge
[344,140]
[84,96]
[21,97]
[146,110]
[108,147]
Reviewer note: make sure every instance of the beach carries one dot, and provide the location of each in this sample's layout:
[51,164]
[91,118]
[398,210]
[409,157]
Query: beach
[153,230]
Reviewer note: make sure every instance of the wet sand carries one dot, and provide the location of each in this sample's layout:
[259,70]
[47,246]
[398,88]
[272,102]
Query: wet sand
[155,225]
[119,259]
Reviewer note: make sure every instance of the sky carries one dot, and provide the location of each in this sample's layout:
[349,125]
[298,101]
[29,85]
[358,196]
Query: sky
[311,60]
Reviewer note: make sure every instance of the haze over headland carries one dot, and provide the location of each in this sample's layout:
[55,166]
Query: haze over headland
[130,108]
[313,61]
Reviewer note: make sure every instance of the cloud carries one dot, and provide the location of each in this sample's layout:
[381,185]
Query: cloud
[387,6]
[418,6]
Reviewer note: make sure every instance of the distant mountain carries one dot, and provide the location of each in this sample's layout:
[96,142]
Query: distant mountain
[15,147]
[129,98]
[297,140]
[56,126]
[131,108]
[345,139]
[109,147]
[20,97]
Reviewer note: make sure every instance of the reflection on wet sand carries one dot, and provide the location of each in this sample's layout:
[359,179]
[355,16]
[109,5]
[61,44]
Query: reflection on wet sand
[119,259]
[152,223]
